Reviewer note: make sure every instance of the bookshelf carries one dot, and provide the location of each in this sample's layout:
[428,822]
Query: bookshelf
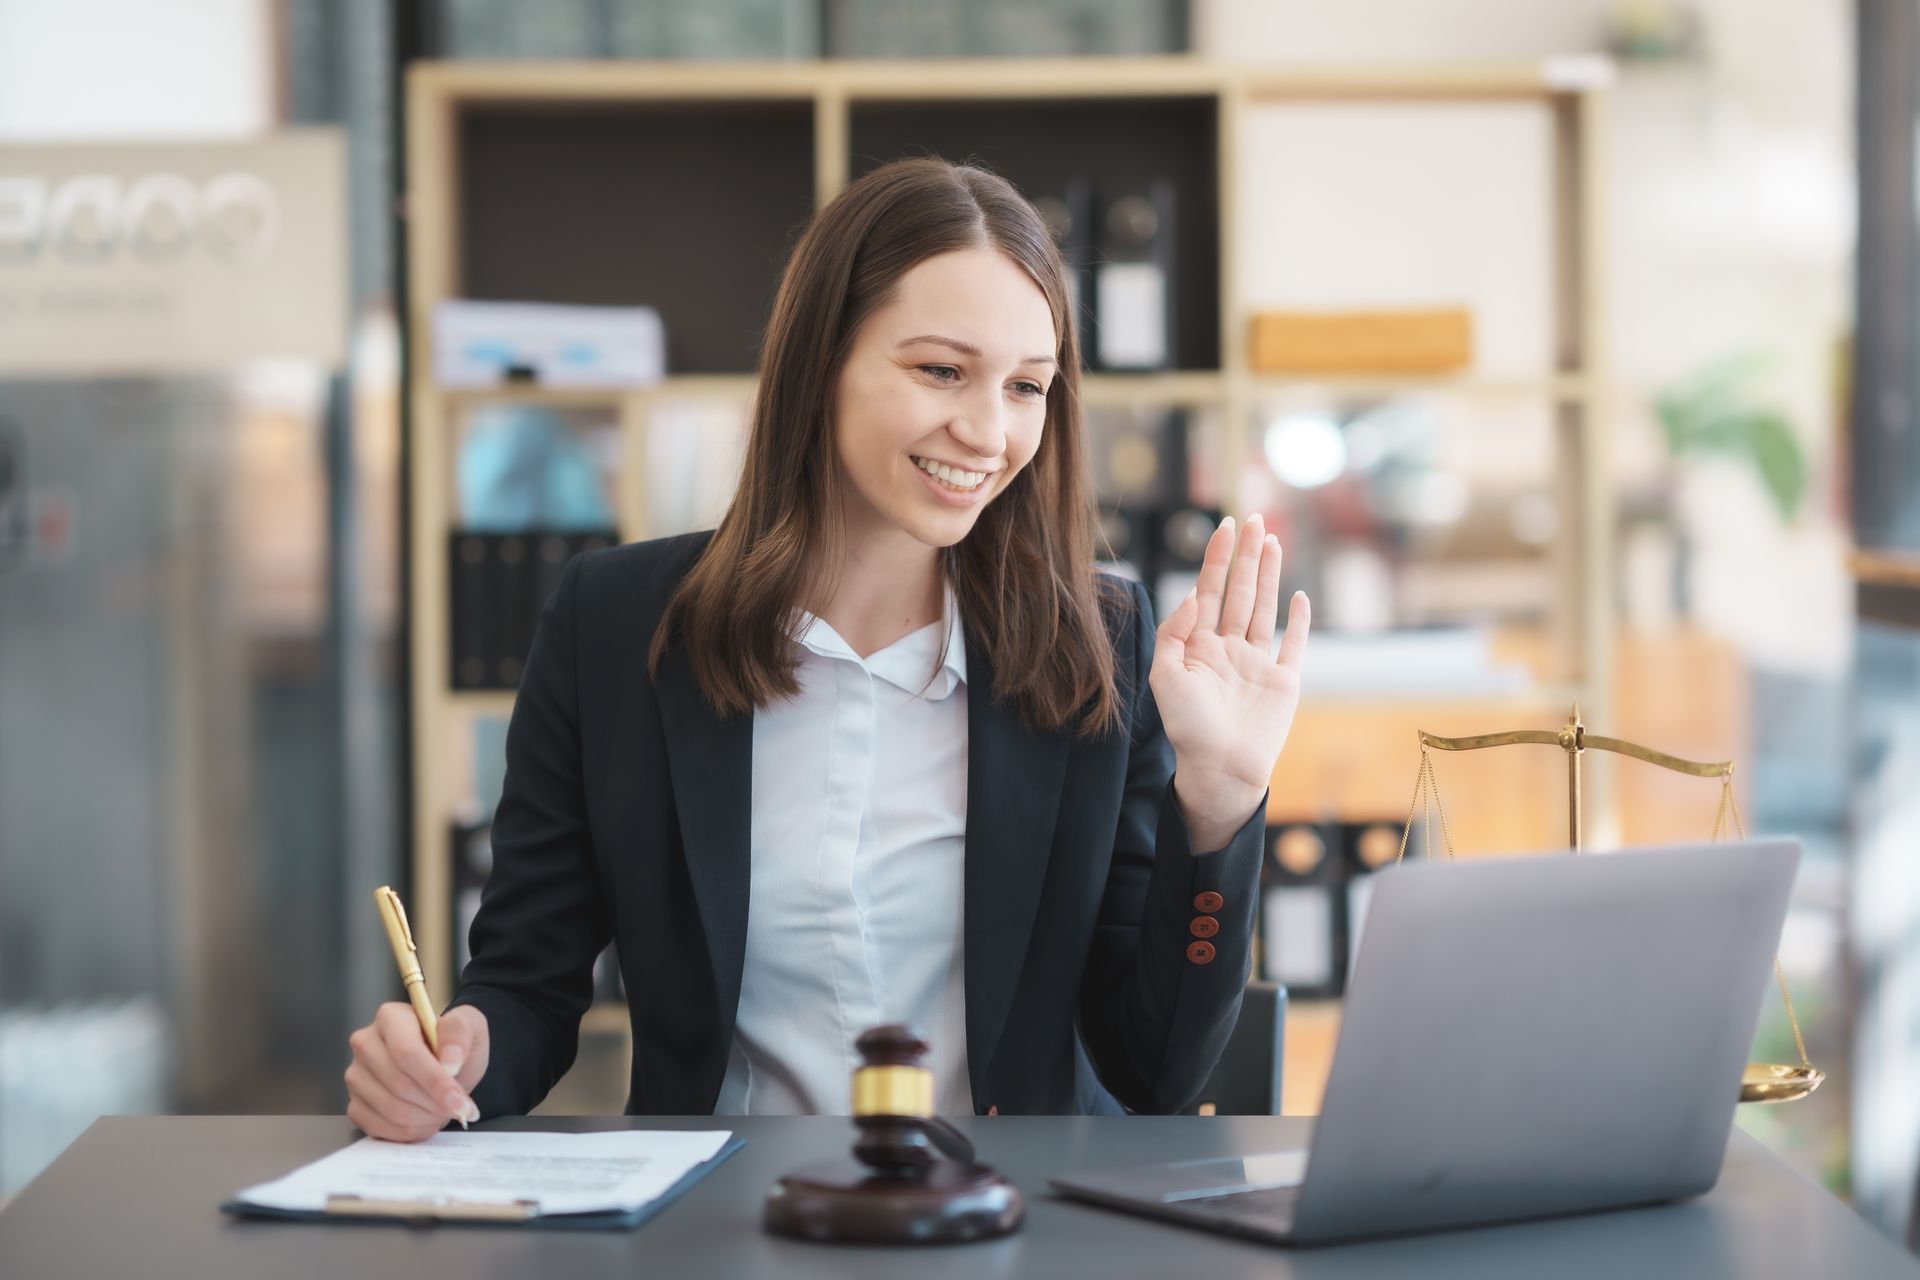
[685,183]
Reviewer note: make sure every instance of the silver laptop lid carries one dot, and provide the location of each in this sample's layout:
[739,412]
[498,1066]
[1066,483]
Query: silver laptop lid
[1544,1034]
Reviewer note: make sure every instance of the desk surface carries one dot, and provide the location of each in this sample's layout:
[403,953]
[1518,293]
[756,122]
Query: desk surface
[138,1196]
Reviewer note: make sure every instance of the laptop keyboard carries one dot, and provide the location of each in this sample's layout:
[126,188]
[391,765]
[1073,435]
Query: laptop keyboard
[1275,1203]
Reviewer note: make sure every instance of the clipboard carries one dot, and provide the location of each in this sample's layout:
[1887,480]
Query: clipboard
[517,1213]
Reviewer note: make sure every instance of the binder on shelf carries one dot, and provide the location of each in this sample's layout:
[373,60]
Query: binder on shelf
[513,586]
[468,582]
[1303,911]
[1069,218]
[1133,279]
[498,583]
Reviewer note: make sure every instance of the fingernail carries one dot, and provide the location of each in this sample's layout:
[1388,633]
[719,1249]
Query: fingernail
[455,1056]
[473,1112]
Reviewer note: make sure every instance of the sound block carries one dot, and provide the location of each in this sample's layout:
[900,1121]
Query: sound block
[846,1202]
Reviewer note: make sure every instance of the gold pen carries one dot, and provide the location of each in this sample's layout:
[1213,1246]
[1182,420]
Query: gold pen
[407,956]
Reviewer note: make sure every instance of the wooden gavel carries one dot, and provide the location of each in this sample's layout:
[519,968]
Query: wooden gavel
[898,1189]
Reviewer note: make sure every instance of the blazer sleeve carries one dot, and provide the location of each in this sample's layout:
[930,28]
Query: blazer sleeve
[543,917]
[1153,1015]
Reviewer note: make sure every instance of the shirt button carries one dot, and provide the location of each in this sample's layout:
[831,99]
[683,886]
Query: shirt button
[1204,926]
[1200,952]
[1208,902]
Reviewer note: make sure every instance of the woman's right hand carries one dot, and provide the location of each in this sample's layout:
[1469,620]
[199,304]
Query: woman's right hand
[397,1089]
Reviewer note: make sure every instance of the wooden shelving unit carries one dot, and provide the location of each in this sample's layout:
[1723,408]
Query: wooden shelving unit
[494,149]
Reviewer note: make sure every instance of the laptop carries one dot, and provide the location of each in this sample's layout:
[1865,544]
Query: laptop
[1522,1037]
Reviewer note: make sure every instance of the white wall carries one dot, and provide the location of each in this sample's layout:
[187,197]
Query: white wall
[1730,199]
[72,69]
[1393,30]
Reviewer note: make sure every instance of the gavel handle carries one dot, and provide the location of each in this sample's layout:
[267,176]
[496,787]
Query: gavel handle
[952,1143]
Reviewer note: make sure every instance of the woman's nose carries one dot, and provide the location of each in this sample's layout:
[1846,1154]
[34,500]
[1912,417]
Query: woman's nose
[982,427]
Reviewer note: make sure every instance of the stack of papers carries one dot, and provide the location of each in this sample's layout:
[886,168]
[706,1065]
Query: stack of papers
[488,344]
[552,1173]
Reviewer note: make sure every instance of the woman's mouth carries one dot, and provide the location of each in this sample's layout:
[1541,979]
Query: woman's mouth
[953,492]
[949,478]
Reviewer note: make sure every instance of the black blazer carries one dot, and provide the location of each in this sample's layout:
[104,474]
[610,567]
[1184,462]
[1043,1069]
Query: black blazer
[625,816]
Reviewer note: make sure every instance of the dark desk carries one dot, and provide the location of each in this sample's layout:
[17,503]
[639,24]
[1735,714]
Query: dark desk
[137,1196]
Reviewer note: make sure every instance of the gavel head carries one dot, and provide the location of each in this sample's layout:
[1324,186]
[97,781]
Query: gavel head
[892,1094]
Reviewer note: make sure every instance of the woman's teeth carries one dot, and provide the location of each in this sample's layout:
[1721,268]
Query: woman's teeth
[960,481]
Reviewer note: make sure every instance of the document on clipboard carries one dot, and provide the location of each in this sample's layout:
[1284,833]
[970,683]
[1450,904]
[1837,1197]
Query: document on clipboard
[616,1178]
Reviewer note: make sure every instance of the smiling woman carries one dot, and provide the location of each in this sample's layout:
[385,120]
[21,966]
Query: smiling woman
[954,416]
[896,753]
[921,340]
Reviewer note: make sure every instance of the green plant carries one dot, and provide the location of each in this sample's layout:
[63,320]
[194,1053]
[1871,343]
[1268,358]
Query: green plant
[1718,411]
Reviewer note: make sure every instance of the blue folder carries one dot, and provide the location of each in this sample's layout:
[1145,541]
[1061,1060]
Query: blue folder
[489,1215]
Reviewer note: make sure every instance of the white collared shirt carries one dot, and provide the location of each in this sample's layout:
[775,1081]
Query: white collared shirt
[859,836]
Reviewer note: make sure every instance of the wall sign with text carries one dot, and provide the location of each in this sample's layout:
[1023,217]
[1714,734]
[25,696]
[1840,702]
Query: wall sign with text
[173,258]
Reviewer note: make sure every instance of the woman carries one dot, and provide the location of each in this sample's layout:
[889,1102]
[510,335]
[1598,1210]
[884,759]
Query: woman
[884,746]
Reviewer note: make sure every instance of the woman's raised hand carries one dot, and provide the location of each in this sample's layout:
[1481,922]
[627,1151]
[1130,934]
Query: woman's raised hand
[1225,698]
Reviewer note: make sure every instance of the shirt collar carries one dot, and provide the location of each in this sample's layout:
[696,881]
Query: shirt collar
[906,661]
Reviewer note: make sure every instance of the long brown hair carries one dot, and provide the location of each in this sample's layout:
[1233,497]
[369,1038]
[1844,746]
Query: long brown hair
[1023,575]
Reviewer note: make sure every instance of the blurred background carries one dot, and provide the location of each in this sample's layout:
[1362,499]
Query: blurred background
[1569,345]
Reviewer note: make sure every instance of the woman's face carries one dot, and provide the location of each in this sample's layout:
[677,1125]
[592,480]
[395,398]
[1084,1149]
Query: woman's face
[955,370]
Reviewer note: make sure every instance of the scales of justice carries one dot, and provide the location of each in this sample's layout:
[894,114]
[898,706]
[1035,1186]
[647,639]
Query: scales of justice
[1762,1082]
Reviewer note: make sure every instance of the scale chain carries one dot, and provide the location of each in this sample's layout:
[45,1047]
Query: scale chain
[1729,807]
[1428,784]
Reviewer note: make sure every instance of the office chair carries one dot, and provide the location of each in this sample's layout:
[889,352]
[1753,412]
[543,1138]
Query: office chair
[1246,1081]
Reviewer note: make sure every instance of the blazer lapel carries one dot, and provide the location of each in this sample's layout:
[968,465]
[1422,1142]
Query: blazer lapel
[711,763]
[1014,779]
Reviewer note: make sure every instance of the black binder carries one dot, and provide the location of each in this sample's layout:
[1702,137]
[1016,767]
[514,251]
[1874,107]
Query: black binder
[469,557]
[516,611]
[1133,279]
[498,583]
[1069,218]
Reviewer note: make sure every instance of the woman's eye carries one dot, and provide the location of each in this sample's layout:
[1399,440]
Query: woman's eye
[948,374]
